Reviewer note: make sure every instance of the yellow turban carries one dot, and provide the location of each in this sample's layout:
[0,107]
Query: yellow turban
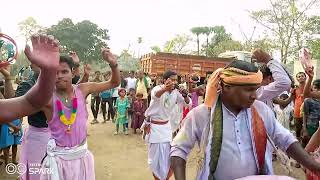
[231,76]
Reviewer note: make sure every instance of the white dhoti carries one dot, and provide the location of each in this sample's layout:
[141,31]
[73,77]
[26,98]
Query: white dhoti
[159,140]
[68,163]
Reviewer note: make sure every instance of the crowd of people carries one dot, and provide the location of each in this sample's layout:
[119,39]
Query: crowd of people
[234,116]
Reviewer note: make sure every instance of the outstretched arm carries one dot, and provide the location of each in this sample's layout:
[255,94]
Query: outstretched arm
[45,54]
[196,123]
[285,102]
[314,142]
[94,87]
[168,86]
[76,69]
[296,151]
[86,74]
[280,84]
[307,88]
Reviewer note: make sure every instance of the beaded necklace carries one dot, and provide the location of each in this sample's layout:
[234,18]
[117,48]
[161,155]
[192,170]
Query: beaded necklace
[63,119]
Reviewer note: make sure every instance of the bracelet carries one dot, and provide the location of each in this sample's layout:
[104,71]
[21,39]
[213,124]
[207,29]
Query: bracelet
[113,65]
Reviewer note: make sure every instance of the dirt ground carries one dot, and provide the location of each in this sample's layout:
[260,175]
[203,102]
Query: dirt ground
[125,157]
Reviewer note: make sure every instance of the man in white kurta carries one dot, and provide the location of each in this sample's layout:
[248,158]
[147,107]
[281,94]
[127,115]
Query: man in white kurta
[238,154]
[237,158]
[161,110]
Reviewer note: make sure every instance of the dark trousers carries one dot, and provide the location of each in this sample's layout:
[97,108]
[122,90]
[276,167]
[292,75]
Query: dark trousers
[114,100]
[95,104]
[298,124]
[110,109]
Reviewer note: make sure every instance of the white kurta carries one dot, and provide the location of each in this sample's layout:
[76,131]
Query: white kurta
[161,109]
[237,158]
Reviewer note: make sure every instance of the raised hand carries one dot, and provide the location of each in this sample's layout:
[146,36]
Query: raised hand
[310,71]
[45,53]
[5,71]
[169,85]
[86,69]
[108,56]
[74,57]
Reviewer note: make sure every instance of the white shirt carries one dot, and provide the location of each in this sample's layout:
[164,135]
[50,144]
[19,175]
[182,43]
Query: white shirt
[280,84]
[162,108]
[178,114]
[131,83]
[283,115]
[236,160]
[236,148]
[116,92]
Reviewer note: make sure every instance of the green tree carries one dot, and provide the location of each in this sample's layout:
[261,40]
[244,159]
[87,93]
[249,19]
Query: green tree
[264,43]
[85,37]
[197,31]
[222,41]
[22,61]
[287,22]
[127,62]
[223,46]
[207,31]
[155,49]
[314,46]
[29,27]
[179,44]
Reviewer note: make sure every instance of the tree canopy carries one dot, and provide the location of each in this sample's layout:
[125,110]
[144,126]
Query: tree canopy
[84,37]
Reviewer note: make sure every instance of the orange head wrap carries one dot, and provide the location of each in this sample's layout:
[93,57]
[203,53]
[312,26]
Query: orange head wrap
[231,76]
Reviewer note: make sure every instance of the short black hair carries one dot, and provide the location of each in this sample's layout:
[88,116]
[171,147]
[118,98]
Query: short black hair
[301,73]
[243,65]
[168,74]
[284,96]
[316,83]
[265,70]
[68,60]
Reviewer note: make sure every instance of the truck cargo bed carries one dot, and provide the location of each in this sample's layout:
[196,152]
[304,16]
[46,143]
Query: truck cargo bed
[182,64]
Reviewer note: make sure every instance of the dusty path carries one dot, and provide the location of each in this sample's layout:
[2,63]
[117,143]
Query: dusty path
[125,157]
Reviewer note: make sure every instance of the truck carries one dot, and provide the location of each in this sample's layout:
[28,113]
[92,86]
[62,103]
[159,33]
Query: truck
[182,64]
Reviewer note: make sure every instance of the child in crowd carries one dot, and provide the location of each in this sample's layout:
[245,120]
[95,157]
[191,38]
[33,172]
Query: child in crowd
[131,98]
[138,113]
[122,106]
[284,113]
[11,134]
